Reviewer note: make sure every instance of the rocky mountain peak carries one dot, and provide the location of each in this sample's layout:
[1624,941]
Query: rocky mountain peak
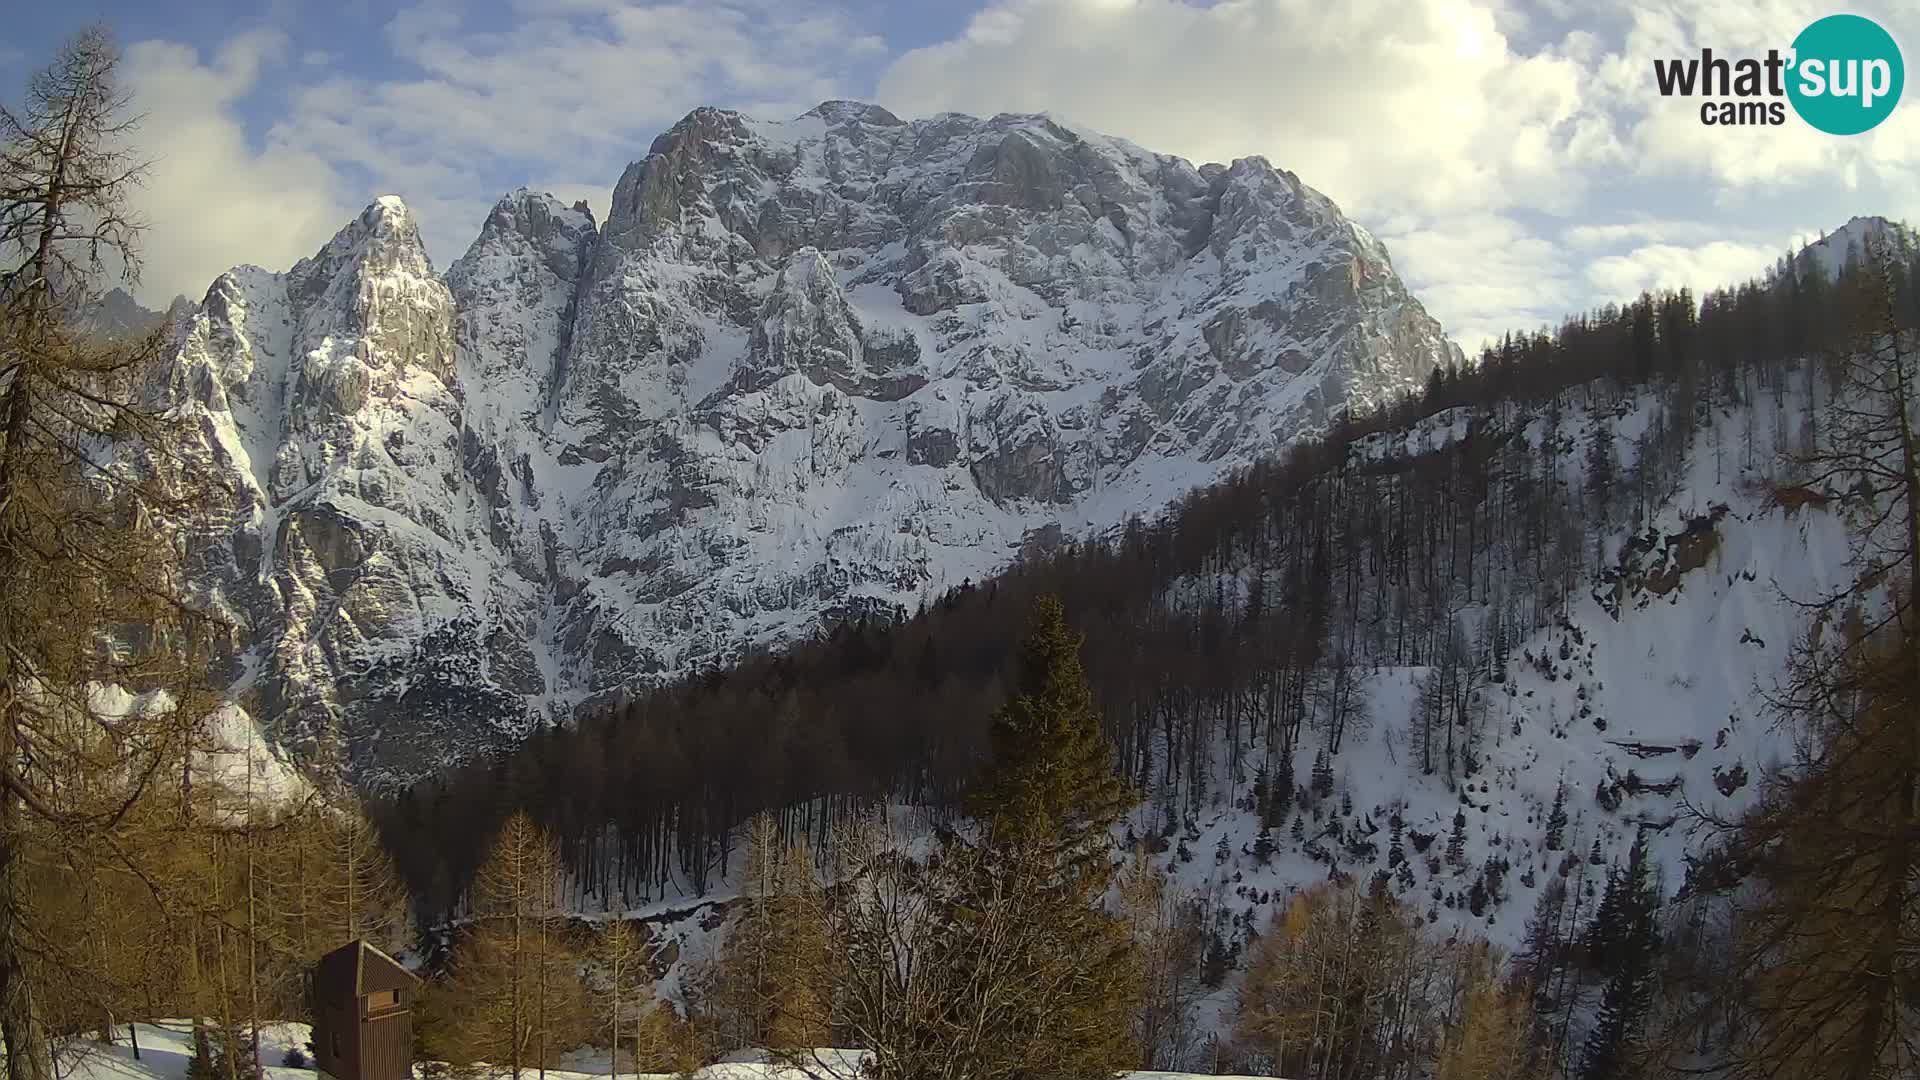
[806,369]
[527,222]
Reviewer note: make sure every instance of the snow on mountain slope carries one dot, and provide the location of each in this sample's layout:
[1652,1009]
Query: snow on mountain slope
[866,358]
[1648,701]
[807,369]
[1850,241]
[351,553]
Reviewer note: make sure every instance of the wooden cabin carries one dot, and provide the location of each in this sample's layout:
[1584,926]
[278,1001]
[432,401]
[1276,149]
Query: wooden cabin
[363,1015]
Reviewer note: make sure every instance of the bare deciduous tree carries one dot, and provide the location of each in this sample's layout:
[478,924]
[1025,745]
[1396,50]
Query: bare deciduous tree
[98,674]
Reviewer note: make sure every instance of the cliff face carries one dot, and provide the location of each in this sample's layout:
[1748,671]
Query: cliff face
[805,369]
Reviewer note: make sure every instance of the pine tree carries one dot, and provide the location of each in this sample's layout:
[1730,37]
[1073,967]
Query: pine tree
[1051,788]
[1396,847]
[617,949]
[1631,944]
[234,1053]
[1280,804]
[514,996]
[1047,973]
[1600,467]
[1263,847]
[768,976]
[200,1060]
[1493,1039]
[1457,841]
[1557,818]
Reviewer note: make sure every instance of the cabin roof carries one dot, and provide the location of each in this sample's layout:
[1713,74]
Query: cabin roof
[357,968]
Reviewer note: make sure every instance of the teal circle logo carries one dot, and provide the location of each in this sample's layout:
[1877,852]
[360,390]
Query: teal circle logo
[1846,76]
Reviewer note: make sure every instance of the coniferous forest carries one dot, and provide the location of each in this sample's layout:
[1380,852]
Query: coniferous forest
[1337,562]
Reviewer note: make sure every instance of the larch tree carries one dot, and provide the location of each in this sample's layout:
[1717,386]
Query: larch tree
[92,605]
[618,954]
[1169,940]
[514,995]
[1827,940]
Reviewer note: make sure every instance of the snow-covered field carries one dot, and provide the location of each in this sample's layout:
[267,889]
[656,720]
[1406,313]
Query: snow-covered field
[166,1046]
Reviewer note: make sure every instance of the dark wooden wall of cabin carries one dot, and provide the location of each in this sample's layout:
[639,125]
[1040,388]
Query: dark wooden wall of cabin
[386,1049]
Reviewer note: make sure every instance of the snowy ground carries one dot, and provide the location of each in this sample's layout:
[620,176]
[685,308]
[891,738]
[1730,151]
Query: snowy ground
[166,1046]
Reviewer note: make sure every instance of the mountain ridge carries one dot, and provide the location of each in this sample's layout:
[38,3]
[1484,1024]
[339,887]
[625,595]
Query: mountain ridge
[804,370]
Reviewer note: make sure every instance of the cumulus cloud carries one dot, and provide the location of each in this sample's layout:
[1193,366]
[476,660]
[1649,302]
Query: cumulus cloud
[573,91]
[1517,279]
[213,197]
[1672,266]
[559,101]
[1384,105]
[1427,120]
[1514,154]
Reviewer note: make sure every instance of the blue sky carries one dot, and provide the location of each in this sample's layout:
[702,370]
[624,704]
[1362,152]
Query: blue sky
[1512,153]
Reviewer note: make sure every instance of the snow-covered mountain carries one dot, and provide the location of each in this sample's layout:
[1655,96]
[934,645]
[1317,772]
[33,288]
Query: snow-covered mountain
[1832,251]
[805,369]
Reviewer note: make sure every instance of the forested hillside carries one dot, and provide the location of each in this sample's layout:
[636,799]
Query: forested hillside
[1227,642]
[1432,726]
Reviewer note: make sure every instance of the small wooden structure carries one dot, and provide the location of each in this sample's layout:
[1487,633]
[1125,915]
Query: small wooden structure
[363,1015]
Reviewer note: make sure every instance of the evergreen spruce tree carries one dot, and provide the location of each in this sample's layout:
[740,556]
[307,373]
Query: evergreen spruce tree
[1629,934]
[1557,818]
[1051,785]
[233,1056]
[1457,841]
[1263,846]
[1280,799]
[1046,975]
[1396,847]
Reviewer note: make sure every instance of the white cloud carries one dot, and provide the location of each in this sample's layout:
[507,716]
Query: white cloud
[576,88]
[1384,105]
[1671,266]
[1488,273]
[1512,153]
[1446,124]
[573,91]
[1645,230]
[214,198]
[1423,119]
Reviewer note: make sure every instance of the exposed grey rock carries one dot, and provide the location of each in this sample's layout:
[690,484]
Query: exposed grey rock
[806,369]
